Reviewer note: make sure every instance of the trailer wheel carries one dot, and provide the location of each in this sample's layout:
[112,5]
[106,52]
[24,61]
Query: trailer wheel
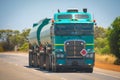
[30,59]
[41,61]
[54,68]
[35,60]
[48,63]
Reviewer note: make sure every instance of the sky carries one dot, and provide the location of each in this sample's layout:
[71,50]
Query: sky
[21,14]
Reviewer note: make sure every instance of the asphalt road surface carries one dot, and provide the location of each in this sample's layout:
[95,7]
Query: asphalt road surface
[15,67]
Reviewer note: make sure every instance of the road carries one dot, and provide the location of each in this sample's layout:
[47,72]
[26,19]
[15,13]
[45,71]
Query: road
[15,67]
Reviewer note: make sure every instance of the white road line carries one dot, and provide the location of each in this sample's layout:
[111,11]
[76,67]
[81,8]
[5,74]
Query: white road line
[34,70]
[107,75]
[25,67]
[10,62]
[47,74]
[63,79]
[16,64]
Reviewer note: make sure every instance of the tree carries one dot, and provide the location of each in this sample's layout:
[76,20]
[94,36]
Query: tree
[114,37]
[101,41]
[99,32]
[11,38]
[24,46]
[5,37]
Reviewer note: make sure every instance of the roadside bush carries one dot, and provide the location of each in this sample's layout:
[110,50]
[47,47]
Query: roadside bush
[101,46]
[105,50]
[1,49]
[114,38]
[24,47]
[117,62]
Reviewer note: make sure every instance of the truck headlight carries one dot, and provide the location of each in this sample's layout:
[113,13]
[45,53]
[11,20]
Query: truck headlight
[87,55]
[91,55]
[62,55]
[58,55]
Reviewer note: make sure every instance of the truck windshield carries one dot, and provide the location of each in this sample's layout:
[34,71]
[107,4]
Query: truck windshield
[65,16]
[79,16]
[74,29]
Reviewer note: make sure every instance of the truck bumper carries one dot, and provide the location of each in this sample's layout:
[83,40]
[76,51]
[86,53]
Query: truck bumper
[75,63]
[73,67]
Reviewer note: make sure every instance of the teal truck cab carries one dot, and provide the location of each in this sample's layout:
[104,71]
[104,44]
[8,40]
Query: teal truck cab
[63,43]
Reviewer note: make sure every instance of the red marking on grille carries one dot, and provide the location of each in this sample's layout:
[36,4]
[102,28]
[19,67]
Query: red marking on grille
[83,52]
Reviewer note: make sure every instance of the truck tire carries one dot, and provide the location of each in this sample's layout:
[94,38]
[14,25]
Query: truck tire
[89,70]
[30,59]
[38,60]
[48,63]
[35,60]
[41,61]
[54,68]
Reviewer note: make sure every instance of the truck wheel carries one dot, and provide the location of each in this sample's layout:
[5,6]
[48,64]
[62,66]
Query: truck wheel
[54,69]
[38,59]
[30,59]
[35,60]
[89,70]
[47,63]
[41,62]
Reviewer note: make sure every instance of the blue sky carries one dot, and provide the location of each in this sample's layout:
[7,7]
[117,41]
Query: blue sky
[21,14]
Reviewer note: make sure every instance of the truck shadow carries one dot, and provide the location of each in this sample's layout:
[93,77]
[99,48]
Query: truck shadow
[60,71]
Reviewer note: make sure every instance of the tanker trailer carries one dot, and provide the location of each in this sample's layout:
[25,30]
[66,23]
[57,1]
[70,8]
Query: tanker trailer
[38,38]
[65,43]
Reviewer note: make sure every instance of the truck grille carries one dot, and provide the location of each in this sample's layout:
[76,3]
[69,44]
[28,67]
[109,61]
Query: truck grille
[74,47]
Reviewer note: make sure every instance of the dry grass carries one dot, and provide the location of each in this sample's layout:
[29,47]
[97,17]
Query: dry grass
[107,66]
[106,62]
[105,58]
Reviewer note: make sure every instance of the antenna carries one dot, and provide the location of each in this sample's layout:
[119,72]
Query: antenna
[58,11]
[85,10]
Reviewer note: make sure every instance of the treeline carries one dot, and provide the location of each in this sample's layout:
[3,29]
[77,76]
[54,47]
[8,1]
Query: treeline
[14,40]
[107,40]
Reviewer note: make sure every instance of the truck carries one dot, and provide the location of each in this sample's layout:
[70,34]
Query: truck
[65,42]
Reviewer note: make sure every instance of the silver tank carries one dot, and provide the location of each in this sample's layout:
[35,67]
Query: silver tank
[40,32]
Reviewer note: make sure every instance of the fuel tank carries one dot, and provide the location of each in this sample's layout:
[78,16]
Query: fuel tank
[40,32]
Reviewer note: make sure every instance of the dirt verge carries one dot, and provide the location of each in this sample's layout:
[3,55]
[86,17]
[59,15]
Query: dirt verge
[107,66]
